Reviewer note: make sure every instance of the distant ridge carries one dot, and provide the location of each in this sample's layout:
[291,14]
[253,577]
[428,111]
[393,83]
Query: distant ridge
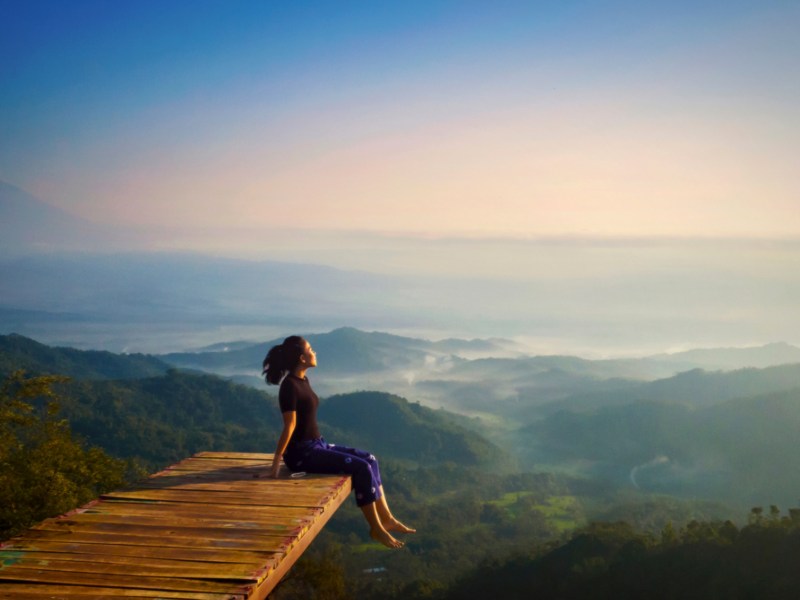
[416,433]
[30,226]
[18,352]
[742,449]
[772,354]
[696,388]
[344,350]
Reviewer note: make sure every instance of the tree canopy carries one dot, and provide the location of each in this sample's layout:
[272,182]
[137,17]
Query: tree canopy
[44,469]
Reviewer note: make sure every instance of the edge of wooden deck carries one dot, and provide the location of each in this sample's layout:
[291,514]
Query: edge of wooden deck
[181,521]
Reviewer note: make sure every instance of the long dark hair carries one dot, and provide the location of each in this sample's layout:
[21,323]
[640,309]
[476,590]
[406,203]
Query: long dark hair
[283,358]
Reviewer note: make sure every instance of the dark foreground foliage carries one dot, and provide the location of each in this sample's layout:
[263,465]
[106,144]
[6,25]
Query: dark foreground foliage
[44,470]
[611,560]
[704,560]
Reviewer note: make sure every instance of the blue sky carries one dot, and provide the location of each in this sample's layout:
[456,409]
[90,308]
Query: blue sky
[420,118]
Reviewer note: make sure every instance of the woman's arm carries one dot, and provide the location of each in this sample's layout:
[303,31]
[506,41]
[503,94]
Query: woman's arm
[289,422]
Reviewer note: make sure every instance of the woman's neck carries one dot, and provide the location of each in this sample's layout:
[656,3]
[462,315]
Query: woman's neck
[300,372]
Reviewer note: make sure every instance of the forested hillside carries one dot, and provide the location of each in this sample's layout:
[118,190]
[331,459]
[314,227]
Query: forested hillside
[614,561]
[743,450]
[161,420]
[696,388]
[395,427]
[19,352]
[44,469]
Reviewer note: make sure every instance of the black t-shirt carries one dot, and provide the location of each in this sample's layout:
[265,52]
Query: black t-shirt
[296,395]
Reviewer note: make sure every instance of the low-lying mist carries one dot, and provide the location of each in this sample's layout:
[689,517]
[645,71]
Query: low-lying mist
[580,297]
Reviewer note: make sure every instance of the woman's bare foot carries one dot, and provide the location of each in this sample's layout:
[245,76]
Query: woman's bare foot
[385,538]
[395,525]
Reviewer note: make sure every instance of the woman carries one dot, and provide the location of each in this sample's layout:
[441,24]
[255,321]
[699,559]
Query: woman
[303,448]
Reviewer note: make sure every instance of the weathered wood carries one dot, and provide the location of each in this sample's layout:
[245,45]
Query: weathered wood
[161,568]
[216,483]
[22,547]
[41,537]
[170,509]
[258,456]
[208,464]
[270,524]
[214,526]
[177,584]
[26,591]
[184,528]
[274,498]
[13,558]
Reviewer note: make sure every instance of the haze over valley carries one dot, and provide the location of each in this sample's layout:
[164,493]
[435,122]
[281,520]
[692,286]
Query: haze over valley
[590,297]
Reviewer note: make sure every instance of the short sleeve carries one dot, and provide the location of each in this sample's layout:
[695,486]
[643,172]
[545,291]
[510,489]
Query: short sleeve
[287,396]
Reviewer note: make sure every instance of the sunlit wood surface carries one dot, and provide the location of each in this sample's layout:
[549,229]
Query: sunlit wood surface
[214,526]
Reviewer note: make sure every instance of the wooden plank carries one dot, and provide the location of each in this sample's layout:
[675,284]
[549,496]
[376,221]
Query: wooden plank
[33,595]
[233,484]
[22,591]
[186,528]
[12,558]
[216,555]
[163,527]
[234,455]
[146,583]
[218,465]
[244,466]
[230,457]
[272,498]
[43,537]
[212,475]
[202,570]
[62,595]
[277,524]
[167,509]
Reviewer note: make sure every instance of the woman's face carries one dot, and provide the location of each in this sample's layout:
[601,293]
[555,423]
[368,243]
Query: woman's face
[308,358]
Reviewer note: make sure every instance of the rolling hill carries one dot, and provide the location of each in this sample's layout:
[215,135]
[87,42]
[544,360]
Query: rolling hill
[696,388]
[19,352]
[742,450]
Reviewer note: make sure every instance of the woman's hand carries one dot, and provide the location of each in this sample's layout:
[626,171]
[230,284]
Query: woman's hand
[289,422]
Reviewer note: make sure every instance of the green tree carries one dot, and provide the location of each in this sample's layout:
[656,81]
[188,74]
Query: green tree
[314,577]
[44,470]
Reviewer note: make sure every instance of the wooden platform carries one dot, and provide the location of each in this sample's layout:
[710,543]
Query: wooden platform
[212,527]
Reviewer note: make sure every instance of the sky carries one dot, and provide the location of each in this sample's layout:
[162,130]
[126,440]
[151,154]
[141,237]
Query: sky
[607,159]
[473,119]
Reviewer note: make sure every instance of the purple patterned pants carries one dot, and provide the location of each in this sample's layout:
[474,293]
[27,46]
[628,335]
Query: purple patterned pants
[317,456]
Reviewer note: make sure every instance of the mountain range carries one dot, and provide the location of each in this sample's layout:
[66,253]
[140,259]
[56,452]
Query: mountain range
[447,374]
[724,435]
[29,225]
